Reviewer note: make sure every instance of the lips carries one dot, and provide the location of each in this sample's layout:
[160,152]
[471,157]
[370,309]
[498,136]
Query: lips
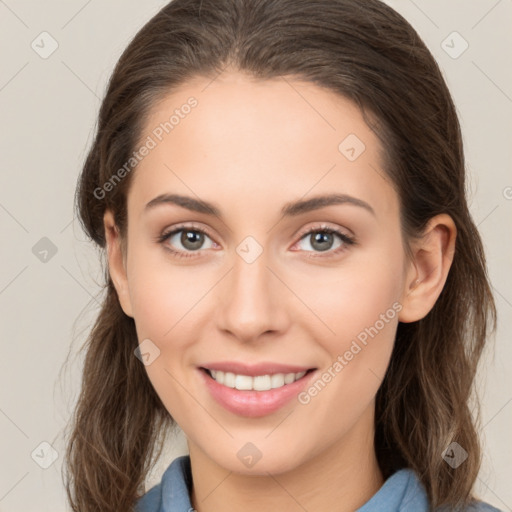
[250,402]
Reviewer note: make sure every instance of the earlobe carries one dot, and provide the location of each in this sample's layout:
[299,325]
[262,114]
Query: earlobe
[432,259]
[116,263]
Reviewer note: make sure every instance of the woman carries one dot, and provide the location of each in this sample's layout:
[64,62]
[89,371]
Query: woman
[293,276]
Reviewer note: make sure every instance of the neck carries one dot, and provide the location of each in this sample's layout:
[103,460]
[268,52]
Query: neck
[342,477]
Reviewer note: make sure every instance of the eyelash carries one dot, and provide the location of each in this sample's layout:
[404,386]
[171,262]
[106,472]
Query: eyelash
[346,239]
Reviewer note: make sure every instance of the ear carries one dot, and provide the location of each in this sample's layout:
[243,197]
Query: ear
[116,262]
[428,270]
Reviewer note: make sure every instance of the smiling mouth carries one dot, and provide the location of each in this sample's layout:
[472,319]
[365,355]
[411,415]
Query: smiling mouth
[255,383]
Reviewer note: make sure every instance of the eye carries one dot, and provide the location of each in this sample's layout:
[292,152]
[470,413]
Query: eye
[191,239]
[322,239]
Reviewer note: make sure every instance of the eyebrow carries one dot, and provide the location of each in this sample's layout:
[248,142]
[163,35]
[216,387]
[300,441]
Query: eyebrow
[290,209]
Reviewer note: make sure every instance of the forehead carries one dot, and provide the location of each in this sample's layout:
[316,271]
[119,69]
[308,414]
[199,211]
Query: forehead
[240,139]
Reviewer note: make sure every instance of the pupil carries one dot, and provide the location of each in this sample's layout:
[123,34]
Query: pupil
[321,239]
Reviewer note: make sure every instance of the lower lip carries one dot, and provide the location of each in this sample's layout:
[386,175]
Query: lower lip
[254,404]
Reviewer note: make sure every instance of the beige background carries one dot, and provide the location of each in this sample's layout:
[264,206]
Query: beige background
[48,110]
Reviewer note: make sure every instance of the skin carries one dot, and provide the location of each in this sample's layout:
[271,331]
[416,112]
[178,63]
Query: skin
[249,147]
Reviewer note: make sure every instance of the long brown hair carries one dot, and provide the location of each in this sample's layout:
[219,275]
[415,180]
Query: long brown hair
[368,53]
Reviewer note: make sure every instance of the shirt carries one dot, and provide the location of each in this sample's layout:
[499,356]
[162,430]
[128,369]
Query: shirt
[401,492]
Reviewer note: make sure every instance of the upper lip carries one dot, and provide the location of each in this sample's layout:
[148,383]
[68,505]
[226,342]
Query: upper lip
[264,368]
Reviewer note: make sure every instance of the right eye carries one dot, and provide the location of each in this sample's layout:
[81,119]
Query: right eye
[191,239]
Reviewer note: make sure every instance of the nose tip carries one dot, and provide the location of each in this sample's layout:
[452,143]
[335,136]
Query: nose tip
[251,302]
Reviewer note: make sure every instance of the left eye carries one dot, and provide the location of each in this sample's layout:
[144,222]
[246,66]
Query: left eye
[324,240]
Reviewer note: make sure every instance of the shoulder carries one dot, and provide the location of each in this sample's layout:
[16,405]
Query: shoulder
[151,501]
[415,489]
[403,492]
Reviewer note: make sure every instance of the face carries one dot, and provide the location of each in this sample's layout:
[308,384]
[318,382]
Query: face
[274,276]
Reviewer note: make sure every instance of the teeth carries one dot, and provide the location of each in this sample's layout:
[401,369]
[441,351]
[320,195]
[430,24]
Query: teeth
[258,383]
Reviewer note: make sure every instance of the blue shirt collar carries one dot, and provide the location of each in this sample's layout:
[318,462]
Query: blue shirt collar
[402,491]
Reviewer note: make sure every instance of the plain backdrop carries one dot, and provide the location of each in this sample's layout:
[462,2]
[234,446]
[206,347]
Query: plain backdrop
[50,273]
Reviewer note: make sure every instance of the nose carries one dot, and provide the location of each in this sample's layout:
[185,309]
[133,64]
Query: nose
[252,301]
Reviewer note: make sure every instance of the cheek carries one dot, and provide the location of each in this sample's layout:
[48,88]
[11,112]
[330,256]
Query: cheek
[353,297]
[358,313]
[364,321]
[167,298]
